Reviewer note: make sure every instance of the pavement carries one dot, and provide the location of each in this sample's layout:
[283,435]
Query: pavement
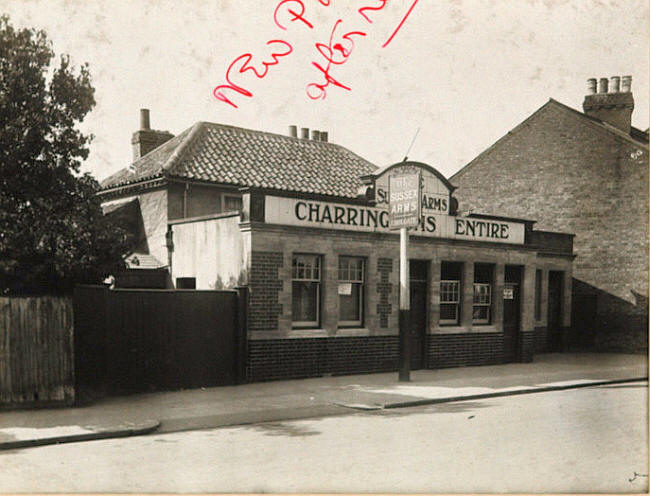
[207,408]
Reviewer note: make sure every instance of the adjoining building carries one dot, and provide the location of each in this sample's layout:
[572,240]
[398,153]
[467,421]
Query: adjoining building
[584,173]
[304,224]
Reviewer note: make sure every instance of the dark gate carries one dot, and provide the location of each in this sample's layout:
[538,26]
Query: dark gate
[130,341]
[584,311]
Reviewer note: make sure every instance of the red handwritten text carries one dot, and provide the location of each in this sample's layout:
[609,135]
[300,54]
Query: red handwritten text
[297,16]
[246,59]
[334,54]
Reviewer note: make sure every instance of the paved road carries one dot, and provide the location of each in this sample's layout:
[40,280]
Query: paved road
[583,440]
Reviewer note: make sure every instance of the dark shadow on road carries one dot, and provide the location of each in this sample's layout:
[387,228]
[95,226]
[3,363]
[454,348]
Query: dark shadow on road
[281,429]
[455,407]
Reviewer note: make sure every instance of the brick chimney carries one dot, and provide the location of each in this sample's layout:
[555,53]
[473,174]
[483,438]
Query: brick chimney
[613,103]
[146,139]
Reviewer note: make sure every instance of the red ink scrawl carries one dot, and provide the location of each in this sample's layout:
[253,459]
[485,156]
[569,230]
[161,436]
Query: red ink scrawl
[334,53]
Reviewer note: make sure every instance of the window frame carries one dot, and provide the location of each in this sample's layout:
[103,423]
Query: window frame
[317,268]
[225,197]
[482,304]
[456,304]
[357,281]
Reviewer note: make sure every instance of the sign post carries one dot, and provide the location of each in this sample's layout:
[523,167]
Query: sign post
[404,212]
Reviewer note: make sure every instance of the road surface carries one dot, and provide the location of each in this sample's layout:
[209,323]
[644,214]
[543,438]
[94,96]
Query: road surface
[582,440]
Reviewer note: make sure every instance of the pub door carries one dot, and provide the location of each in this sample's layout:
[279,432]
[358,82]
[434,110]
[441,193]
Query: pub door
[511,311]
[554,330]
[418,299]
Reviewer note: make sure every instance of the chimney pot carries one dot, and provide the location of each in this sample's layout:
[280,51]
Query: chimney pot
[315,135]
[293,131]
[304,133]
[603,85]
[144,119]
[626,85]
[323,136]
[591,86]
[614,83]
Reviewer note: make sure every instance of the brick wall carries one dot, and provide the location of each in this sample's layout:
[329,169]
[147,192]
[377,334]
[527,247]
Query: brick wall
[464,350]
[271,359]
[526,346]
[265,286]
[574,176]
[540,337]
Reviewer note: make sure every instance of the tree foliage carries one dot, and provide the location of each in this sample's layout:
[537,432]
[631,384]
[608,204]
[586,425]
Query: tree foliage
[52,231]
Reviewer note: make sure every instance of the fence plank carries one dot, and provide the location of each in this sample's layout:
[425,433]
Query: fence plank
[35,351]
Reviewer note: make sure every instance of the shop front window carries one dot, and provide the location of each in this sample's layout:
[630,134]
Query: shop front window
[351,280]
[450,273]
[482,304]
[305,290]
[449,302]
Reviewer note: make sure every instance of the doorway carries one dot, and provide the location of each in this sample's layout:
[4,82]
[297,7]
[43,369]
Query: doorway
[419,274]
[554,322]
[511,312]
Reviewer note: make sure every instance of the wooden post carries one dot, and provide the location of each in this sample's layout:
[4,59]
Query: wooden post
[404,308]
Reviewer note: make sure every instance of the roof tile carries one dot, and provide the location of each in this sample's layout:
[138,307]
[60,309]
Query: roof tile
[232,155]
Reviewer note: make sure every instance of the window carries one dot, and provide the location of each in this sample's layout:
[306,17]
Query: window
[450,274]
[186,283]
[538,295]
[305,290]
[482,304]
[232,203]
[351,277]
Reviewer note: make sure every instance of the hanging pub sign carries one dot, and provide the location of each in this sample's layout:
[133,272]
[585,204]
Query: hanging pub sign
[404,205]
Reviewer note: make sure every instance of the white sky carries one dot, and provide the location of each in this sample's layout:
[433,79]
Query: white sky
[464,72]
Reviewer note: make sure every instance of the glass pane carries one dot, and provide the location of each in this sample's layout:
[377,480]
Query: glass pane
[350,305]
[481,313]
[448,312]
[304,306]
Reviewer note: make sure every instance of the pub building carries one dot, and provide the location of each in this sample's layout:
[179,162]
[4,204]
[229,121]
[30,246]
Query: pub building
[307,231]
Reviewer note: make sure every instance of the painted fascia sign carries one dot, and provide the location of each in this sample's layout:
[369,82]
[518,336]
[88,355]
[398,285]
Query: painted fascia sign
[434,221]
[404,201]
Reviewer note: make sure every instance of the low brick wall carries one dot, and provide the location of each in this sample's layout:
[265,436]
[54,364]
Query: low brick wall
[312,357]
[273,359]
[462,350]
[540,339]
[526,346]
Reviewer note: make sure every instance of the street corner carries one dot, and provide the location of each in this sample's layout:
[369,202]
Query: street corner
[25,437]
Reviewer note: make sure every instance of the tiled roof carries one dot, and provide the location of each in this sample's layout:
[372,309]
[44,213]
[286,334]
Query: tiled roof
[231,155]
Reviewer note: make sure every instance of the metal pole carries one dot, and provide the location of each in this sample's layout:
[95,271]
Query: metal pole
[404,308]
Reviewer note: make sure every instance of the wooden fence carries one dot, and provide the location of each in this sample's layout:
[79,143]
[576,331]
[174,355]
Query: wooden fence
[36,351]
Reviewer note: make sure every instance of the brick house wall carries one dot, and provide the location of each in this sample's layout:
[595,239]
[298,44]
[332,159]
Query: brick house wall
[575,176]
[277,351]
